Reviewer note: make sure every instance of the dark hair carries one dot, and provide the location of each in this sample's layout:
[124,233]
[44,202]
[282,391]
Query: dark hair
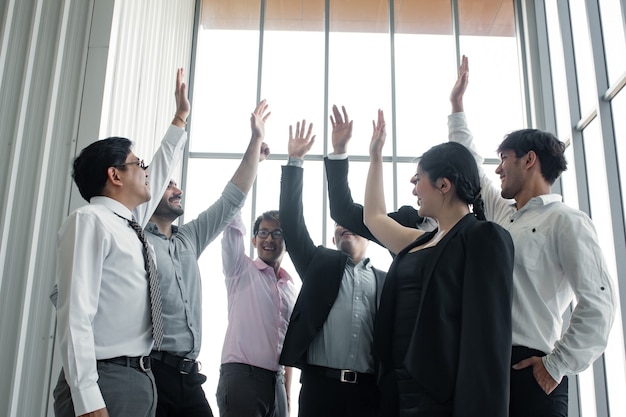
[548,148]
[271,215]
[90,167]
[453,161]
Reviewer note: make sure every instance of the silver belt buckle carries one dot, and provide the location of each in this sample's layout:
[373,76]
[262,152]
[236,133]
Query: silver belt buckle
[183,365]
[141,364]
[348,376]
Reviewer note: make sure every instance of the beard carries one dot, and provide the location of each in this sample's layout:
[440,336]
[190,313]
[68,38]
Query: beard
[169,212]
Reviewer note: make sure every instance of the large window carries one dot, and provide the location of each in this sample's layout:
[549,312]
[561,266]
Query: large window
[305,56]
[586,41]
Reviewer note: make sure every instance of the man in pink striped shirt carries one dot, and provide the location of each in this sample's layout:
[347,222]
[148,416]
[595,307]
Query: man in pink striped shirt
[261,296]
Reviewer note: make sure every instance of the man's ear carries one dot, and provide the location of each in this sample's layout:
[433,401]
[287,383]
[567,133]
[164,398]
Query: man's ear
[254,241]
[530,159]
[113,176]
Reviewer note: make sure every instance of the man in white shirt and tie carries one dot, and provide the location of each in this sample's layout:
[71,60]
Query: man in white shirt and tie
[104,321]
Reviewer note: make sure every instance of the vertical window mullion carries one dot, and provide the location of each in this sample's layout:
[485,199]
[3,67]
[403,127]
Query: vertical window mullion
[258,98]
[394,143]
[612,172]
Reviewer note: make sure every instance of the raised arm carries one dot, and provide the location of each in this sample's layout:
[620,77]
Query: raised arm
[299,243]
[496,208]
[342,208]
[211,222]
[458,130]
[169,153]
[257,150]
[233,249]
[390,233]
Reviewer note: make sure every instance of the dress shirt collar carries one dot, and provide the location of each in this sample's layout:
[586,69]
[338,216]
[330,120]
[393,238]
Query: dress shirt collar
[541,200]
[365,263]
[282,274]
[154,229]
[114,205]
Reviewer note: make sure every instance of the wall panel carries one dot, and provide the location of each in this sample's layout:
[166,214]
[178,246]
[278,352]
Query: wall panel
[55,61]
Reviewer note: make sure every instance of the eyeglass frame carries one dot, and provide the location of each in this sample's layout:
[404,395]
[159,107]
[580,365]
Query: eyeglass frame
[264,231]
[139,162]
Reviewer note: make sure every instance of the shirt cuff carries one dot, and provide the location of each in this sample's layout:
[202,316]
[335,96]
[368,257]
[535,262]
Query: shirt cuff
[87,400]
[457,119]
[337,156]
[556,369]
[175,136]
[295,162]
[237,223]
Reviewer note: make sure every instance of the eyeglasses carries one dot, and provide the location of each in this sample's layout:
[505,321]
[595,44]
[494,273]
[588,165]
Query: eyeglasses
[264,233]
[138,162]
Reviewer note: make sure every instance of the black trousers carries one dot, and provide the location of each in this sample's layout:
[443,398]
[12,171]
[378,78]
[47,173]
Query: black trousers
[527,398]
[179,395]
[323,396]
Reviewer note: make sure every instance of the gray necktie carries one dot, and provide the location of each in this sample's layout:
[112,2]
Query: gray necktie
[156,309]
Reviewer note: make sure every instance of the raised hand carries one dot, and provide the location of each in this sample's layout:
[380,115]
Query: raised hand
[456,95]
[378,136]
[264,152]
[182,102]
[257,120]
[257,150]
[342,130]
[301,142]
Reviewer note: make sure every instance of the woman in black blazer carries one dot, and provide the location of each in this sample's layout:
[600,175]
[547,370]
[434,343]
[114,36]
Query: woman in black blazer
[442,336]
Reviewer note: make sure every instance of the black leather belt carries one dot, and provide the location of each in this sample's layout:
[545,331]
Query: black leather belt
[342,375]
[138,362]
[183,365]
[236,366]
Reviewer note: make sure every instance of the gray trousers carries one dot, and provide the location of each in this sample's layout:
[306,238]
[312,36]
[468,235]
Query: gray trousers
[127,392]
[246,390]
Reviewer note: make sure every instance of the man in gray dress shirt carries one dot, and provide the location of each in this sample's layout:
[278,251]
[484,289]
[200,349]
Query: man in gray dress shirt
[179,384]
[331,328]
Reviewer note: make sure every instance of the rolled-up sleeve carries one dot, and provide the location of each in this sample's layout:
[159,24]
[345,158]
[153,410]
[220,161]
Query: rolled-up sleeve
[585,268]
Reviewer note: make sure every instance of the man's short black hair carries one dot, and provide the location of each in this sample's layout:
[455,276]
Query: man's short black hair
[90,167]
[269,216]
[548,148]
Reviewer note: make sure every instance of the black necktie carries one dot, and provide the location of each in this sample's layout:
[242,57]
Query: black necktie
[156,309]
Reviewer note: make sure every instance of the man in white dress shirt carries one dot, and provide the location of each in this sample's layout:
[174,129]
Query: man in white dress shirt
[104,323]
[558,260]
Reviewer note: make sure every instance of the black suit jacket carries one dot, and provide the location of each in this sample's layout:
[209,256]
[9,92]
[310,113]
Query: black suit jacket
[350,214]
[321,270]
[460,350]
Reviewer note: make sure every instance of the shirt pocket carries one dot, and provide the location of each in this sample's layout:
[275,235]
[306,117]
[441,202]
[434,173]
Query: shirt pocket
[529,245]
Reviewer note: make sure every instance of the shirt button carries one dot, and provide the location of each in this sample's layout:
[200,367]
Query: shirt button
[356,315]
[356,298]
[354,335]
